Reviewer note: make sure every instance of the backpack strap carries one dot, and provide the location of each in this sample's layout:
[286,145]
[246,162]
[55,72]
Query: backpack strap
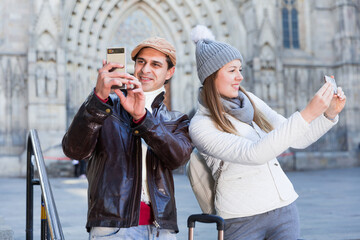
[217,175]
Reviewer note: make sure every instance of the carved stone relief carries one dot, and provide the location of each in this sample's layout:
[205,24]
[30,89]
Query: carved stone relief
[46,79]
[268,74]
[40,81]
[13,102]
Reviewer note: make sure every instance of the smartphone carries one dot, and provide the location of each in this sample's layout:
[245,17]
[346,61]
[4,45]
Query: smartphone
[117,55]
[332,81]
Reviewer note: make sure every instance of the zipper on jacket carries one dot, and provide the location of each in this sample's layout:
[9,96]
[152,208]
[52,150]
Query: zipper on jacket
[153,167]
[255,130]
[136,187]
[260,138]
[157,228]
[134,193]
[156,224]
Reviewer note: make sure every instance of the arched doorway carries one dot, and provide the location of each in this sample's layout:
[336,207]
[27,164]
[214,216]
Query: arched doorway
[92,26]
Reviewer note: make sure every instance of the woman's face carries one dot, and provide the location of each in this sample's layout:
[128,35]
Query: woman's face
[227,81]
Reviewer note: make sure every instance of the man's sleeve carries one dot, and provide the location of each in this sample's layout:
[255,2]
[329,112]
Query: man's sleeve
[170,141]
[80,139]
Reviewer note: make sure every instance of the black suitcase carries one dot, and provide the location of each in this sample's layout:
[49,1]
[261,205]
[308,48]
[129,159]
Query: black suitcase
[206,218]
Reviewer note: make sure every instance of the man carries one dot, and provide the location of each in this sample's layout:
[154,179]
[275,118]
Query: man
[133,143]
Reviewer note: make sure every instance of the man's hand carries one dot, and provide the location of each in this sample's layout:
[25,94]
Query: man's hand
[134,102]
[106,78]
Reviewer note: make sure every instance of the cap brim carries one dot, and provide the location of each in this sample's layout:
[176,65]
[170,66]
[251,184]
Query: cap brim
[138,49]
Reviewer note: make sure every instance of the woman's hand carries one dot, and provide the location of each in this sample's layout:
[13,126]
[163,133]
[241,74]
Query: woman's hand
[337,104]
[318,104]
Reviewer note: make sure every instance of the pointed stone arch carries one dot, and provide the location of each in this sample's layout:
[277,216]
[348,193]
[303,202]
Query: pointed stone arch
[46,41]
[165,23]
[91,26]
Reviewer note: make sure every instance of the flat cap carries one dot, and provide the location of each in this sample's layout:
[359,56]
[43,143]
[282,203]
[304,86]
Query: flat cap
[159,44]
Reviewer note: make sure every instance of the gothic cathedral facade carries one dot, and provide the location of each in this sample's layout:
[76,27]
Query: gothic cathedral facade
[50,51]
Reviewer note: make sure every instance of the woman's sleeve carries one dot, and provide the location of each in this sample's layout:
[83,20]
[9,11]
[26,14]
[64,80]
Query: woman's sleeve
[233,148]
[317,128]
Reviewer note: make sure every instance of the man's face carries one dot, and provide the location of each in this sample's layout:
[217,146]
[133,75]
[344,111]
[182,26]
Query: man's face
[151,69]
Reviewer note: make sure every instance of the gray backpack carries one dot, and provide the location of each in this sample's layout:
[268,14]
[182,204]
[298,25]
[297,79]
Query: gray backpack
[202,182]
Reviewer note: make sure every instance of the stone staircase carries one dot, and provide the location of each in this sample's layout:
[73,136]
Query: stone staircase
[6,233]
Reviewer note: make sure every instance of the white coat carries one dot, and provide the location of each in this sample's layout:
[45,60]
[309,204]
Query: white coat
[252,181]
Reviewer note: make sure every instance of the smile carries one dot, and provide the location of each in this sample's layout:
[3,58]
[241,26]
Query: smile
[236,86]
[145,79]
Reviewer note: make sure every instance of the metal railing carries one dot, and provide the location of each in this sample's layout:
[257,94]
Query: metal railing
[50,223]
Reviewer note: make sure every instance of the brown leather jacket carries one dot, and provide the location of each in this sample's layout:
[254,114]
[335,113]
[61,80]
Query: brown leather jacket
[105,134]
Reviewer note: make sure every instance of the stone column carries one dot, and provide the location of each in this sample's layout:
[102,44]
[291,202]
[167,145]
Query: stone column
[347,51]
[46,85]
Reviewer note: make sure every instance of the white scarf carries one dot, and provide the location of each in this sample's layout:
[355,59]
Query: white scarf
[149,99]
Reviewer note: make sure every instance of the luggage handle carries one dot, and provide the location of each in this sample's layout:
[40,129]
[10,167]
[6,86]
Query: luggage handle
[206,218]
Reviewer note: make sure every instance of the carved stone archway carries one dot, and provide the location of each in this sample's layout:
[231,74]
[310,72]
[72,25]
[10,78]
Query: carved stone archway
[94,25]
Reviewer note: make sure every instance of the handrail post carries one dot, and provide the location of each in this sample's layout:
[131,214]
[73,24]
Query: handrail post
[50,223]
[29,192]
[44,225]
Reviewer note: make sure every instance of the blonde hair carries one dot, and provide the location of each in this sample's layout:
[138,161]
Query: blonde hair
[211,97]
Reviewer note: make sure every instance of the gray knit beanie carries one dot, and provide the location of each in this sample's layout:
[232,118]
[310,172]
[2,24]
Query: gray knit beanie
[210,54]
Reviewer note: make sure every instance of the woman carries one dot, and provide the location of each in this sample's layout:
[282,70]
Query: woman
[240,137]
